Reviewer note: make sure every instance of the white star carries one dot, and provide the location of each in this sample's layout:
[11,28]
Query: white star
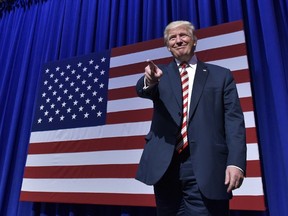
[47,70]
[68,110]
[82,95]
[62,118]
[101,85]
[46,113]
[56,81]
[93,107]
[59,98]
[62,73]
[77,89]
[81,109]
[68,66]
[87,101]
[44,94]
[60,86]
[54,93]
[99,114]
[102,72]
[41,107]
[79,64]
[57,112]
[86,115]
[65,91]
[39,121]
[51,75]
[100,99]
[72,84]
[48,100]
[78,76]
[73,72]
[70,97]
[67,79]
[94,93]
[84,69]
[103,59]
[75,102]
[57,68]
[74,116]
[89,87]
[96,67]
[52,106]
[50,88]
[91,61]
[90,74]
[45,82]
[50,119]
[96,80]
[83,82]
[63,104]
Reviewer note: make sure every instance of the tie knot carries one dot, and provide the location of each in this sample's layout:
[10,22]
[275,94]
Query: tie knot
[184,65]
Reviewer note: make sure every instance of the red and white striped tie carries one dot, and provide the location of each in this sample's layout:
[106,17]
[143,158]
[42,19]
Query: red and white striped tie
[183,138]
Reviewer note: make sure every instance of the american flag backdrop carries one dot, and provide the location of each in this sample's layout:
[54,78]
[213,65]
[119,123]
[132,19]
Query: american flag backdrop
[89,127]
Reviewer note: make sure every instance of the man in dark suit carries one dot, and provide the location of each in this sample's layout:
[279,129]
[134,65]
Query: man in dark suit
[197,177]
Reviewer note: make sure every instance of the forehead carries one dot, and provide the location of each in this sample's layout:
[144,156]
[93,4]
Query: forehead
[178,30]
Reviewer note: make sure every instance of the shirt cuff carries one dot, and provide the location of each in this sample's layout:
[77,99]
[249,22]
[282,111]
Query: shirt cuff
[236,167]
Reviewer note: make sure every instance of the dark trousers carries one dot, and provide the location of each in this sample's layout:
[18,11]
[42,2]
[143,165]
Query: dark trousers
[177,193]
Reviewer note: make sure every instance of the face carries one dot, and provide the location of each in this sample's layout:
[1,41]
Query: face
[180,43]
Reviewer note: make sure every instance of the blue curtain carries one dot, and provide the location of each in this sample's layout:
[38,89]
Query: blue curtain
[33,32]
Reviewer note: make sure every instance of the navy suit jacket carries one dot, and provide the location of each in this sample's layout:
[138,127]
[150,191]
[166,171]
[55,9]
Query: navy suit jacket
[216,131]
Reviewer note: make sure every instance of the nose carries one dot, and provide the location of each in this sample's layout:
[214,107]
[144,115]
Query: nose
[178,39]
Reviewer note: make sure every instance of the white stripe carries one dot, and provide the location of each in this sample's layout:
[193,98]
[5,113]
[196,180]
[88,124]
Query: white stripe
[138,57]
[251,186]
[244,90]
[220,41]
[202,44]
[128,104]
[85,158]
[235,63]
[93,185]
[249,119]
[106,131]
[104,157]
[252,152]
[124,81]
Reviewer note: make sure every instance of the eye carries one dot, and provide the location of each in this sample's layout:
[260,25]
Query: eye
[172,37]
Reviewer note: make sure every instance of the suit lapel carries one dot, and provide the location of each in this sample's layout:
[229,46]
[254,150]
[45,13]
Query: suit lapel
[175,83]
[198,86]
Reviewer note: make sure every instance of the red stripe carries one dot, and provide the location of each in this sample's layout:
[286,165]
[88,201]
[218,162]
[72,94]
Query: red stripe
[220,29]
[241,76]
[134,68]
[256,203]
[117,143]
[91,198]
[206,55]
[253,169]
[138,47]
[122,93]
[129,116]
[251,135]
[247,104]
[146,114]
[222,53]
[89,171]
[159,42]
[108,171]
[237,203]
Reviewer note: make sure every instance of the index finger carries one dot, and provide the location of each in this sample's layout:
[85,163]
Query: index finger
[151,65]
